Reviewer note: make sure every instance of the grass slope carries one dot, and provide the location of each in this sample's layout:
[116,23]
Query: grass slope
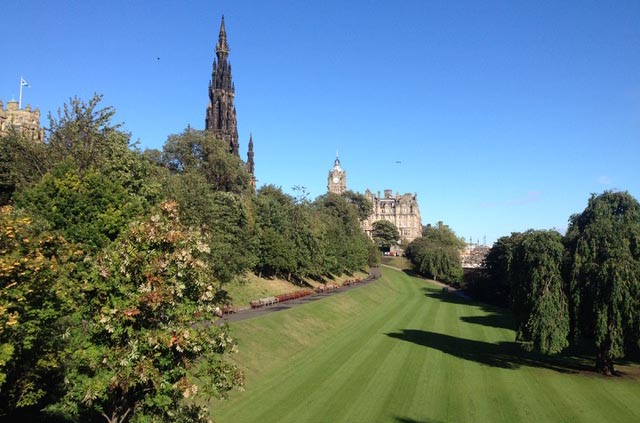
[399,350]
[251,287]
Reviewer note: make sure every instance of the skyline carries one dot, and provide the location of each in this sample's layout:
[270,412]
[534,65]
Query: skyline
[508,115]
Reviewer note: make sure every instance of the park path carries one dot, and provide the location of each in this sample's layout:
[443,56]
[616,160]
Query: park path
[250,313]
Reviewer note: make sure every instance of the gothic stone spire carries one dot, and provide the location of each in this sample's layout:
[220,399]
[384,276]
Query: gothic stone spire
[221,113]
[250,164]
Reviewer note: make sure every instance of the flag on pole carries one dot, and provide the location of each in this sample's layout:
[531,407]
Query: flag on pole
[24,83]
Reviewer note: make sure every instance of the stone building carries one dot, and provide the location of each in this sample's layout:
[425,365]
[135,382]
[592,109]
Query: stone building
[401,210]
[24,120]
[337,180]
[221,112]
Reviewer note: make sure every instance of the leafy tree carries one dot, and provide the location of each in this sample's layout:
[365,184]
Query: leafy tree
[33,290]
[275,245]
[603,244]
[364,206]
[86,207]
[22,163]
[200,152]
[494,286]
[142,347]
[346,247]
[226,218]
[385,234]
[84,134]
[437,253]
[540,306]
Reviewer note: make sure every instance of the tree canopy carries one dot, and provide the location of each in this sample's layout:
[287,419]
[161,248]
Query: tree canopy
[385,234]
[437,253]
[539,304]
[603,244]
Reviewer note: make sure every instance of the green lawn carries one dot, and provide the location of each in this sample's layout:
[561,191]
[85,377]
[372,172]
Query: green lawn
[399,350]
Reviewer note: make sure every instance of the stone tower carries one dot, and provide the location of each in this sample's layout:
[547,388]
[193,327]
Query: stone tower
[250,163]
[25,120]
[221,113]
[337,181]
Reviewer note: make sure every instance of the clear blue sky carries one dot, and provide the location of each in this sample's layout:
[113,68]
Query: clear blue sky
[505,115]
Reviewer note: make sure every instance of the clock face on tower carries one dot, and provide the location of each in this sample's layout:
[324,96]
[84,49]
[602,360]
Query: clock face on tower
[335,179]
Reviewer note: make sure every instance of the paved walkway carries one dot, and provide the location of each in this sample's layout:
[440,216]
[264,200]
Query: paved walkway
[250,313]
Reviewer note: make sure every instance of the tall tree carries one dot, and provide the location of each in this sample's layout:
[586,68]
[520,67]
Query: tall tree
[34,293]
[437,253]
[385,234]
[539,305]
[494,286]
[200,152]
[364,206]
[603,244]
[142,346]
[22,163]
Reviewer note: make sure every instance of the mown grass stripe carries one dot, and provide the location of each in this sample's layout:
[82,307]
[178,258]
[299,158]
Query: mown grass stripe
[402,351]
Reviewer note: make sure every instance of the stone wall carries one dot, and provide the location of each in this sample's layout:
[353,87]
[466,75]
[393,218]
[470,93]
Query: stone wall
[23,120]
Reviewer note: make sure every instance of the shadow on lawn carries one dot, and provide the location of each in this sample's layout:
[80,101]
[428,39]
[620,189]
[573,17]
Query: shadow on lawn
[505,355]
[407,420]
[498,317]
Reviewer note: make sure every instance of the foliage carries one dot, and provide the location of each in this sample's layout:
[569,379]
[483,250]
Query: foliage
[364,206]
[200,152]
[494,285]
[33,290]
[437,254]
[539,305]
[85,134]
[385,234]
[603,244]
[225,217]
[144,325]
[346,247]
[22,163]
[85,206]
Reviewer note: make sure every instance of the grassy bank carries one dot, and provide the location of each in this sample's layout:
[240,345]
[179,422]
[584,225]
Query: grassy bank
[399,350]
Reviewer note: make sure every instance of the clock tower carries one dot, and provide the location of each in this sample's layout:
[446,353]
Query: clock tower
[337,181]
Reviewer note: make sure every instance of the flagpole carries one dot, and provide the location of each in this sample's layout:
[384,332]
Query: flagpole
[20,102]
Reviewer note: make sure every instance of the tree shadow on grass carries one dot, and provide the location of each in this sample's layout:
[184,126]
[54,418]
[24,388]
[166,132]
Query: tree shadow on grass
[494,320]
[407,420]
[504,355]
[498,317]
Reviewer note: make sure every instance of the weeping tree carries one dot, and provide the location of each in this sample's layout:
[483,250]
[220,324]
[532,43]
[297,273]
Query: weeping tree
[603,244]
[540,306]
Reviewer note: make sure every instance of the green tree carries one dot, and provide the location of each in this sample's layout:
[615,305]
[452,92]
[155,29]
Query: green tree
[22,163]
[85,206]
[539,305]
[363,205]
[200,152]
[142,346]
[437,253]
[603,244]
[385,234]
[345,246]
[494,286]
[275,244]
[33,297]
[226,218]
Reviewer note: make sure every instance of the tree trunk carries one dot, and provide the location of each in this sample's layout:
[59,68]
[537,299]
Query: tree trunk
[604,363]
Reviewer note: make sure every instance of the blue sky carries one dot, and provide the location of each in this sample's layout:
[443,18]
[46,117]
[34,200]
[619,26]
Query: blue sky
[505,115]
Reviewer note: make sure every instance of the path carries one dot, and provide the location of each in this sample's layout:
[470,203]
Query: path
[250,313]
